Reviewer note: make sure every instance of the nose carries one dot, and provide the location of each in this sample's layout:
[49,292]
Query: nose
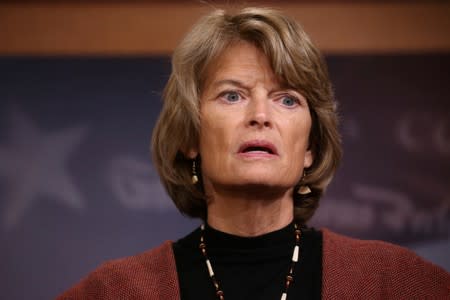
[259,114]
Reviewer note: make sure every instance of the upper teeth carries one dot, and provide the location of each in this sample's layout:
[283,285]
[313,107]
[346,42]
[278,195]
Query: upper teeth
[257,149]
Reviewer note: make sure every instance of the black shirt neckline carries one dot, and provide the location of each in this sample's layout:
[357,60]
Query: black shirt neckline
[218,239]
[249,267]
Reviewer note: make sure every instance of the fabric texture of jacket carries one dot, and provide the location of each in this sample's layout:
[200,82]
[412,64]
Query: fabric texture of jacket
[352,269]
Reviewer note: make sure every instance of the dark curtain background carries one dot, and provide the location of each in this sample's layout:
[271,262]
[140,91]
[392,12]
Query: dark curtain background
[77,186]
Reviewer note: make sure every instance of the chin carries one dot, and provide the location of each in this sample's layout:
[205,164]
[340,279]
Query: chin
[261,179]
[261,172]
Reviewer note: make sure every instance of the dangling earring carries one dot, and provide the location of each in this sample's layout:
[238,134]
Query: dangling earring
[194,173]
[304,188]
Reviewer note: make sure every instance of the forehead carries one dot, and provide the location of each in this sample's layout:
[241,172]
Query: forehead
[240,60]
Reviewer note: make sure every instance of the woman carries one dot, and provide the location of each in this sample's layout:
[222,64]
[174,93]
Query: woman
[247,141]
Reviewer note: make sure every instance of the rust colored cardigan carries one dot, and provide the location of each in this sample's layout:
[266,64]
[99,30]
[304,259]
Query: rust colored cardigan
[352,269]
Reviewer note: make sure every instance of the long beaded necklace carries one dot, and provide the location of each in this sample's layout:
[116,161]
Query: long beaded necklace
[289,276]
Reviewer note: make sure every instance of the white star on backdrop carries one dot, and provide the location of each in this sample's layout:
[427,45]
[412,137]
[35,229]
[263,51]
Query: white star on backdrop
[33,165]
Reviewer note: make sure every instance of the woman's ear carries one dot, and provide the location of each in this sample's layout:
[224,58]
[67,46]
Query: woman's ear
[309,159]
[191,153]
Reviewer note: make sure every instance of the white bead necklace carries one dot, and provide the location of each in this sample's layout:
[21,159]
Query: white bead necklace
[289,276]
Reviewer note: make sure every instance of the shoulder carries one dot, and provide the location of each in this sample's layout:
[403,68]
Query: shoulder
[147,275]
[369,268]
[343,247]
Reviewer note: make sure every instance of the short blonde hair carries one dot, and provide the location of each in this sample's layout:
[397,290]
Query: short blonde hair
[296,62]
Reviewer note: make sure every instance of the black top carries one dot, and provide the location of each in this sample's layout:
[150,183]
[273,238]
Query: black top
[249,268]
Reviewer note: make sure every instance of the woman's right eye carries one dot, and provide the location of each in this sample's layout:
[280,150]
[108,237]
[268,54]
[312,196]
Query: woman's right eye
[231,96]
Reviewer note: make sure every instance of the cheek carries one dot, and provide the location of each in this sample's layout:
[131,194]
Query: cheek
[214,148]
[298,141]
[213,136]
[296,159]
[298,131]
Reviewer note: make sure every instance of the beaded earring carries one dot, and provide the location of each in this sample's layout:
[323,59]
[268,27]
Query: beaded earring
[304,188]
[194,172]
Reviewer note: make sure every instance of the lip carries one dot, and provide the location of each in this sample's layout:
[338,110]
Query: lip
[257,144]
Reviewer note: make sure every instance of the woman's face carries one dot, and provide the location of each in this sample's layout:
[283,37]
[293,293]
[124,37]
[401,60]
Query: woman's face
[253,131]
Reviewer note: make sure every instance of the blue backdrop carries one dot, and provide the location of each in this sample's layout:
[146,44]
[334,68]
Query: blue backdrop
[77,184]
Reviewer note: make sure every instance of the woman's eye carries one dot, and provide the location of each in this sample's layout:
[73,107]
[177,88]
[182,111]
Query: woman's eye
[289,101]
[231,96]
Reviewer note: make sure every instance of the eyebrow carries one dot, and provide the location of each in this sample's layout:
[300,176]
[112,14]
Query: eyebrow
[231,82]
[244,86]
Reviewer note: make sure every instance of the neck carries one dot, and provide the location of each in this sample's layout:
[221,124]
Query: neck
[250,212]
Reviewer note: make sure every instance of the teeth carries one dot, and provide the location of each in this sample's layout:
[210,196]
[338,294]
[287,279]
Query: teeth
[257,149]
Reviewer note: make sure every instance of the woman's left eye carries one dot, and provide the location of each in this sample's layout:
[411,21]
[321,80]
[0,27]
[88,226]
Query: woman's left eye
[289,100]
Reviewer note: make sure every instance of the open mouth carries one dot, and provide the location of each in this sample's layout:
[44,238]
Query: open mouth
[258,147]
